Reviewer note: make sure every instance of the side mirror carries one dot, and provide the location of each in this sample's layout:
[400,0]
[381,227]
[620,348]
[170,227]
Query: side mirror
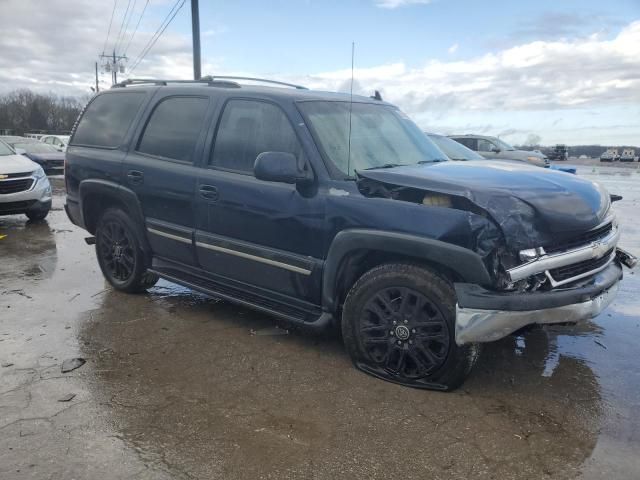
[280,167]
[495,149]
[20,151]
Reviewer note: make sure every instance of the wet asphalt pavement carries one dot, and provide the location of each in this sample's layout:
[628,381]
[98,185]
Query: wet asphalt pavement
[178,386]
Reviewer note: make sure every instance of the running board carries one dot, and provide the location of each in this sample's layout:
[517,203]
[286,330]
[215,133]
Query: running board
[314,321]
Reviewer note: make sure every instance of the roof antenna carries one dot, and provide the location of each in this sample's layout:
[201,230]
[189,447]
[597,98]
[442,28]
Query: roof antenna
[353,50]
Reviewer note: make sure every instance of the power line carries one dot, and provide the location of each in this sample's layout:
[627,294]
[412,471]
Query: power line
[124,19]
[115,3]
[136,29]
[157,35]
[126,27]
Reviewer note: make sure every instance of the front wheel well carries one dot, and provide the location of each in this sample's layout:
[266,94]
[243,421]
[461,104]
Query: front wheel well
[358,262]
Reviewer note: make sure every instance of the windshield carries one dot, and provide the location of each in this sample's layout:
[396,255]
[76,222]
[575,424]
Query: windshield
[5,149]
[381,136]
[35,147]
[454,150]
[502,145]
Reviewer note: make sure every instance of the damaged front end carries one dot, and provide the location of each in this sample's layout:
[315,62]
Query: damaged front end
[550,248]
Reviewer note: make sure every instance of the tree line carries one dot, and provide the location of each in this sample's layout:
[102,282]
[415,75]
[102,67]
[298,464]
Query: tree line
[23,111]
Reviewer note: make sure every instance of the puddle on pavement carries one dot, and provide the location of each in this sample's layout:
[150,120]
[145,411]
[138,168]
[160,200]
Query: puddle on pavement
[182,385]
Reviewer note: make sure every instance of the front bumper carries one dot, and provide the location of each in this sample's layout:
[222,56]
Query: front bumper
[37,198]
[485,316]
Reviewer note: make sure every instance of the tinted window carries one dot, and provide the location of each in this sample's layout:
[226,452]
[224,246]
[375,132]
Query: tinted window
[467,142]
[174,127]
[485,145]
[248,128]
[107,119]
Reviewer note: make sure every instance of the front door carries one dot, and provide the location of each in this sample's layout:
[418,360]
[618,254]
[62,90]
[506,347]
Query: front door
[160,169]
[265,235]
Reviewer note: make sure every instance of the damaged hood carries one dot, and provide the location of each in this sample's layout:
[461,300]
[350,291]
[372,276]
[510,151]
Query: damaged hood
[532,206]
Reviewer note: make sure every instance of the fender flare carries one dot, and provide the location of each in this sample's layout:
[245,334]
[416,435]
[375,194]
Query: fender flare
[124,195]
[466,263]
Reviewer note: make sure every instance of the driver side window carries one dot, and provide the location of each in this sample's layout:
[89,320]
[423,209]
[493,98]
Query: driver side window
[248,128]
[485,145]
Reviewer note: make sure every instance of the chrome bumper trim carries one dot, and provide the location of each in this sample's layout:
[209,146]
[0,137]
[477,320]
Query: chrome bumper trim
[475,325]
[548,262]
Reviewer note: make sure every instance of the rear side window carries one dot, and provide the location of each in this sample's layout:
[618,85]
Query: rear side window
[247,129]
[174,127]
[467,142]
[107,119]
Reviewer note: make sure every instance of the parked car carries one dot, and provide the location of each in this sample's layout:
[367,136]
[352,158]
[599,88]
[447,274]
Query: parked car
[264,197]
[24,187]
[628,155]
[59,142]
[452,149]
[493,147]
[610,155]
[559,153]
[50,159]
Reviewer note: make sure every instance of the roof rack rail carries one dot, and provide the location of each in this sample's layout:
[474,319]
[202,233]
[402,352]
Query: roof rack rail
[163,82]
[221,80]
[253,79]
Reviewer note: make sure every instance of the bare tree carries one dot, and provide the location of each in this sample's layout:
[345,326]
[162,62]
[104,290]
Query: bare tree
[24,111]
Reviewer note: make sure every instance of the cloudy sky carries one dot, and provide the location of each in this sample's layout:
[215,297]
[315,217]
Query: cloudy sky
[567,71]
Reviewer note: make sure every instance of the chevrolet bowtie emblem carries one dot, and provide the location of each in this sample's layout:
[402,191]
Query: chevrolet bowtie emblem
[2,177]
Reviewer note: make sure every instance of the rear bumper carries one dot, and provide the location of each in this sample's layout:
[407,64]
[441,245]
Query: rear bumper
[485,316]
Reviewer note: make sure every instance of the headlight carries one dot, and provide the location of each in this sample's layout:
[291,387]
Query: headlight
[534,159]
[39,174]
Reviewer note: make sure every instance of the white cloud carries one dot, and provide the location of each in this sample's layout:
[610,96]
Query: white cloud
[391,4]
[592,73]
[453,48]
[538,76]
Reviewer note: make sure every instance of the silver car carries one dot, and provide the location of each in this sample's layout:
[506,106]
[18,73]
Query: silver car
[493,147]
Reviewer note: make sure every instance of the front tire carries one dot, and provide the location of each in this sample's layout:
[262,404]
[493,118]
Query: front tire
[120,256]
[398,324]
[37,216]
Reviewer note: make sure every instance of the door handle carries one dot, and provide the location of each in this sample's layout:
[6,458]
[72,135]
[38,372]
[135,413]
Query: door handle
[135,177]
[209,192]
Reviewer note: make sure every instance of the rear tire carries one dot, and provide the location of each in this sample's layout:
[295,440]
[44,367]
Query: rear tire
[120,256]
[398,324]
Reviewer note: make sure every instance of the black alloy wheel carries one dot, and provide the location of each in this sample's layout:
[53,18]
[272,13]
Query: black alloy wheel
[398,324]
[404,333]
[116,248]
[119,253]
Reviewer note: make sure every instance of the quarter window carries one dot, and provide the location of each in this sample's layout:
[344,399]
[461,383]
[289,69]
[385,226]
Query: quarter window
[249,128]
[107,119]
[174,128]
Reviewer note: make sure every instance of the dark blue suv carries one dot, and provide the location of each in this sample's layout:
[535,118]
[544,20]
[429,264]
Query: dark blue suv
[329,210]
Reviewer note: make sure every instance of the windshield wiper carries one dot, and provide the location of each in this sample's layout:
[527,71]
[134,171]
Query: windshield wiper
[386,165]
[435,160]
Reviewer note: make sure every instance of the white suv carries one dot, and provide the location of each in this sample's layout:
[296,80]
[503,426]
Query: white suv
[24,187]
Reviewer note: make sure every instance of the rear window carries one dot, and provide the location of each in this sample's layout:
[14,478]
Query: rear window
[174,127]
[107,119]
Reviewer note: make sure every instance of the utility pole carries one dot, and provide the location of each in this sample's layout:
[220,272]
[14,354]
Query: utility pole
[195,30]
[97,87]
[113,63]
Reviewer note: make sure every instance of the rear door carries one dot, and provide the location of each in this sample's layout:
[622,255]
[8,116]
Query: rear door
[160,169]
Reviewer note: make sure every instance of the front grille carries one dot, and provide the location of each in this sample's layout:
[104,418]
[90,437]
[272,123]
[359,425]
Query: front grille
[15,186]
[15,207]
[18,175]
[570,271]
[581,239]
